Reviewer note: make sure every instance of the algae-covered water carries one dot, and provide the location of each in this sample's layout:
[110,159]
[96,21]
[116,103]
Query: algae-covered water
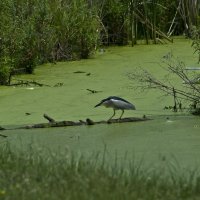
[168,136]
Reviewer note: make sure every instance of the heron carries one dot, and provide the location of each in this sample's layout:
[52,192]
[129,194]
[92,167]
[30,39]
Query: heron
[116,103]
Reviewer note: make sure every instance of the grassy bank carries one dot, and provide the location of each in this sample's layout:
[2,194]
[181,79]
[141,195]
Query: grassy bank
[33,176]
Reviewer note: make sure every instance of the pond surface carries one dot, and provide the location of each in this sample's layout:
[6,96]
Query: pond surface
[168,136]
[175,140]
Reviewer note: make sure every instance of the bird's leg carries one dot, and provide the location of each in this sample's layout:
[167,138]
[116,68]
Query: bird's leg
[121,114]
[112,115]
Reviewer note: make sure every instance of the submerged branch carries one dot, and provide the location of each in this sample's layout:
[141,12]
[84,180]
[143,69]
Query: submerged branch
[19,82]
[28,83]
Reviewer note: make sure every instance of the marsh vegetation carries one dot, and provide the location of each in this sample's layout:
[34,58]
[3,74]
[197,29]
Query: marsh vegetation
[61,176]
[36,40]
[86,174]
[37,32]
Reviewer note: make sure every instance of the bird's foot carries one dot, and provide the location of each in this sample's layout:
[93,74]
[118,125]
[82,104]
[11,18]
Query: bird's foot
[119,119]
[109,121]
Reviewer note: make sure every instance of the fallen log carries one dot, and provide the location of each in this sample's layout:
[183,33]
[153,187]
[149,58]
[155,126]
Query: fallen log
[89,122]
[52,123]
[3,135]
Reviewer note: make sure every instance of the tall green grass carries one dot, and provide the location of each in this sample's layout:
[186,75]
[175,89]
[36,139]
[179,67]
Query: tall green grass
[34,175]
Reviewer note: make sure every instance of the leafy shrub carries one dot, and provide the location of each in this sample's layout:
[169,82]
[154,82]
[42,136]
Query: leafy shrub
[4,75]
[35,32]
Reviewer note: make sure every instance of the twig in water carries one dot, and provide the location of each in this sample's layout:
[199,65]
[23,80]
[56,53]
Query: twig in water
[93,91]
[51,120]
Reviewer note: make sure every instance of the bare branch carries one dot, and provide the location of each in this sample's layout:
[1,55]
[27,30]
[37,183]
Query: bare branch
[188,91]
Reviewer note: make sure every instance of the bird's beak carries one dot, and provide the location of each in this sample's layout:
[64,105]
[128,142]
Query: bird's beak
[97,105]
